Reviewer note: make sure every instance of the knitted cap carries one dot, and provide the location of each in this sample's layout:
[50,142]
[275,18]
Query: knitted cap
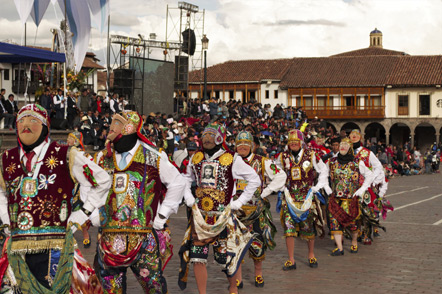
[36,111]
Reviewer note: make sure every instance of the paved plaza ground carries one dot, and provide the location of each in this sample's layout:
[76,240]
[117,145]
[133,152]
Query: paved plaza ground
[405,259]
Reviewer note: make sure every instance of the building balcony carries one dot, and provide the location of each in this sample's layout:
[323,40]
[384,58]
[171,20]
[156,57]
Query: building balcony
[345,112]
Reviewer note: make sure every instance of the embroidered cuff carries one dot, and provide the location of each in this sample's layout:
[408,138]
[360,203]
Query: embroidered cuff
[89,174]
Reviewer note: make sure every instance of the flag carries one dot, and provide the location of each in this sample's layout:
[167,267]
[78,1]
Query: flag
[38,10]
[100,13]
[79,20]
[24,8]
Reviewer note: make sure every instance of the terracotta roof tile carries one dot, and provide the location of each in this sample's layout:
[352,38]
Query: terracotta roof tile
[90,63]
[370,51]
[417,71]
[370,71]
[374,70]
[242,71]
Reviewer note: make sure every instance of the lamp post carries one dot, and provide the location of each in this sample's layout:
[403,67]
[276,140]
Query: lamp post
[205,43]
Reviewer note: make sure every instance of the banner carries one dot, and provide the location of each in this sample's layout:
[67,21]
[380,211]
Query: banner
[38,10]
[24,8]
[79,19]
[100,13]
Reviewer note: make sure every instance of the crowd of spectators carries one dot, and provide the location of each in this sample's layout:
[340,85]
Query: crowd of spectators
[91,114]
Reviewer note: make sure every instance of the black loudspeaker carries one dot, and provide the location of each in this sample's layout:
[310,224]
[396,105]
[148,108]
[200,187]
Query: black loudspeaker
[181,72]
[124,81]
[59,124]
[189,41]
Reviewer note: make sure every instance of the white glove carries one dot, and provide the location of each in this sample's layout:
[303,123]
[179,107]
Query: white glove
[158,223]
[315,189]
[95,220]
[78,217]
[266,192]
[236,205]
[328,190]
[7,232]
[189,200]
[360,192]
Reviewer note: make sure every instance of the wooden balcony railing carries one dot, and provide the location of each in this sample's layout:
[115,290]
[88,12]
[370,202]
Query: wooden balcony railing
[402,110]
[345,112]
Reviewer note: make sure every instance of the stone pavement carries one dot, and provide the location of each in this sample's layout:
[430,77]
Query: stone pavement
[405,259]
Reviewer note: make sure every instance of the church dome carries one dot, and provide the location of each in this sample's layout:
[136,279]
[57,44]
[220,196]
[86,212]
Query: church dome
[376,31]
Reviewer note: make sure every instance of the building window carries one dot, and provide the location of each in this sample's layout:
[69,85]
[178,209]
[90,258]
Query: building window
[424,104]
[267,94]
[322,101]
[276,94]
[231,95]
[217,94]
[402,108]
[6,74]
[308,101]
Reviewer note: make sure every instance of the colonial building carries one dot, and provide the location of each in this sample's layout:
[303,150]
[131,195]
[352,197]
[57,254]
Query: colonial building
[390,95]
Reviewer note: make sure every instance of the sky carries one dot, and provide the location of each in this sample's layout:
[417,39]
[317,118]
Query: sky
[260,29]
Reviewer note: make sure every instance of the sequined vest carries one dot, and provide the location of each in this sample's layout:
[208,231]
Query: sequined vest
[300,176]
[39,209]
[257,163]
[344,178]
[133,199]
[214,181]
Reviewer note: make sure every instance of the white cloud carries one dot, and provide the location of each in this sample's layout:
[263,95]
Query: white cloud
[264,29]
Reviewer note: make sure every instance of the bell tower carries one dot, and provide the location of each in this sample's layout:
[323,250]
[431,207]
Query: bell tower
[376,38]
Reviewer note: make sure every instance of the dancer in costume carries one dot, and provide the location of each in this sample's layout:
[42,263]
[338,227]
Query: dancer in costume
[75,140]
[215,169]
[345,173]
[255,214]
[36,187]
[379,204]
[137,208]
[300,211]
[369,220]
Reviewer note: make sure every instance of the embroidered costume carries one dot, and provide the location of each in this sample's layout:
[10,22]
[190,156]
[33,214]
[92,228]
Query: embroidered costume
[300,211]
[36,195]
[212,220]
[369,217]
[137,207]
[255,214]
[343,208]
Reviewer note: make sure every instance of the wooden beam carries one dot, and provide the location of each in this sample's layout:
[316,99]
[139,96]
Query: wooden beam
[328,97]
[315,102]
[302,99]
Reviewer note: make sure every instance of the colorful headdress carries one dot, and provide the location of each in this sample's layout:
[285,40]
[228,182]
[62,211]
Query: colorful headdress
[295,135]
[244,138]
[36,111]
[133,123]
[217,130]
[78,138]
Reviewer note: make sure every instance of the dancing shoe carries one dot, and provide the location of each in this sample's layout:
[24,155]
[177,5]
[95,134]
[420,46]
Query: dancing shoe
[376,233]
[288,265]
[313,262]
[337,252]
[86,243]
[259,281]
[239,284]
[367,241]
[354,249]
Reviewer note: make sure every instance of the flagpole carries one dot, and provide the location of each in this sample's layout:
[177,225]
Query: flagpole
[108,56]
[65,56]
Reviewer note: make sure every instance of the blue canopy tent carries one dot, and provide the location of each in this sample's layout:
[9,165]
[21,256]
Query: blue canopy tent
[10,53]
